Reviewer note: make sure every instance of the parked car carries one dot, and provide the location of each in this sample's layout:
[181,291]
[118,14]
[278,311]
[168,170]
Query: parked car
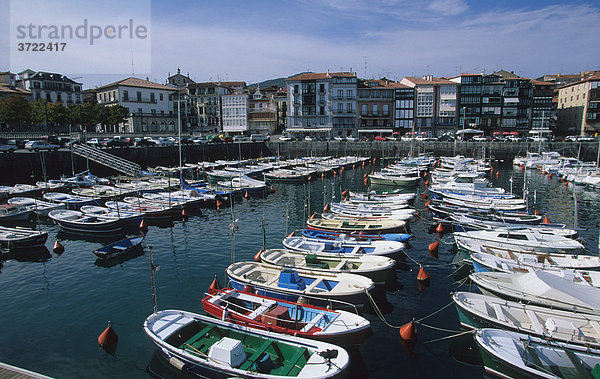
[379,138]
[93,142]
[7,147]
[286,138]
[351,138]
[240,138]
[143,142]
[446,138]
[113,142]
[200,140]
[339,138]
[19,143]
[259,138]
[309,138]
[41,145]
[586,139]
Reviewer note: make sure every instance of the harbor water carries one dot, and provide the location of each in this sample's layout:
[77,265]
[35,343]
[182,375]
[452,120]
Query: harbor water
[53,307]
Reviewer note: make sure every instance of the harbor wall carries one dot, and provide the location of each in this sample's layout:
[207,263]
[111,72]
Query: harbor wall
[28,167]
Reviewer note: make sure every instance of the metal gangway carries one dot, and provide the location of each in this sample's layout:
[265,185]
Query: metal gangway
[107,159]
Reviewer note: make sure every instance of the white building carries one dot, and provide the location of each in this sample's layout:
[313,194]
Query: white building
[148,103]
[322,104]
[235,112]
[49,86]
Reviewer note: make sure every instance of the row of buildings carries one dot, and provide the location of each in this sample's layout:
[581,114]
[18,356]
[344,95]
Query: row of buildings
[333,104]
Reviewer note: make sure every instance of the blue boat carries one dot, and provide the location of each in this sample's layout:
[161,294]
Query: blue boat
[321,234]
[119,248]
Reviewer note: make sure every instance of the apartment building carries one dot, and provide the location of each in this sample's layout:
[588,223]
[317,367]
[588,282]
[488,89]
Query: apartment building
[50,86]
[375,105]
[579,107]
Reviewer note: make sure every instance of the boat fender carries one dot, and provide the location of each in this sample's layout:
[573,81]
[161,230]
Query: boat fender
[497,173]
[58,247]
[427,183]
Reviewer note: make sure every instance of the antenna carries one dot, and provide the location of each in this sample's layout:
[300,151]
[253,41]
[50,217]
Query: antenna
[132,66]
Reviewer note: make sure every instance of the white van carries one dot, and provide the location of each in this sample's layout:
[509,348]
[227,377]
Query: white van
[259,138]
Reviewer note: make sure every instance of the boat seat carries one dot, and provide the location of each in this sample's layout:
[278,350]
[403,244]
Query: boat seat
[499,312]
[313,285]
[341,265]
[119,247]
[290,364]
[313,322]
[199,334]
[539,328]
[246,365]
[596,326]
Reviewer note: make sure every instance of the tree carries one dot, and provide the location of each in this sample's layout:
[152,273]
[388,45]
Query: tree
[57,114]
[39,112]
[118,114]
[15,110]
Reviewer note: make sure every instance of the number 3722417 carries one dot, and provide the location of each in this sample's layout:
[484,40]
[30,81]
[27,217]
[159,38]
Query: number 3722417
[41,46]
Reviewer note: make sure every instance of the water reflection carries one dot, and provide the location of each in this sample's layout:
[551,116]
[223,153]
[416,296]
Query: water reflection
[38,254]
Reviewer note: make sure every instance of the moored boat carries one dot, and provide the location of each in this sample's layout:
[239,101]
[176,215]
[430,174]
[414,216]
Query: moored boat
[377,268]
[213,348]
[119,248]
[39,207]
[337,290]
[349,226]
[77,222]
[275,315]
[21,238]
[343,245]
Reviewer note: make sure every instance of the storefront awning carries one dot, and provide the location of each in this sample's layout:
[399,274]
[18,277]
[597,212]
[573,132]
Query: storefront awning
[375,130]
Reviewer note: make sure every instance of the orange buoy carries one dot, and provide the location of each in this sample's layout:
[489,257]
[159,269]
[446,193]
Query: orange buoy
[345,198]
[522,167]
[219,204]
[491,169]
[345,193]
[544,172]
[408,337]
[58,248]
[310,178]
[214,286]
[366,181]
[425,174]
[434,246]
[536,212]
[272,189]
[312,217]
[440,228]
[322,175]
[108,339]
[566,183]
[246,195]
[546,220]
[257,256]
[184,213]
[143,226]
[334,173]
[291,234]
[327,208]
[497,173]
[550,176]
[427,183]
[424,195]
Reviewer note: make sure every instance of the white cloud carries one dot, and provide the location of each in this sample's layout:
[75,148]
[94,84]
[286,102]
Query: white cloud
[449,7]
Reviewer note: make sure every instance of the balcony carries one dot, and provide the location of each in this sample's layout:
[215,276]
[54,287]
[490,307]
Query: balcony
[138,100]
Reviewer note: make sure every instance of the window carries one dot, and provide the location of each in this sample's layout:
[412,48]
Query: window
[160,96]
[321,87]
[323,121]
[340,94]
[349,108]
[363,109]
[386,109]
[125,95]
[375,109]
[296,88]
[340,108]
[138,96]
[349,94]
[152,99]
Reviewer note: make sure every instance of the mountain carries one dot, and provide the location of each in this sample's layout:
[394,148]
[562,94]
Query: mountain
[280,82]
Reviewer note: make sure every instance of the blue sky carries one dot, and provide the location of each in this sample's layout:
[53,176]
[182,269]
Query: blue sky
[259,40]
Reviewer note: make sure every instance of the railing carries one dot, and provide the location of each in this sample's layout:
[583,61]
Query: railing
[107,159]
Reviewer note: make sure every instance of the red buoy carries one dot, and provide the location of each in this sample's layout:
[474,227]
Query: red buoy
[440,228]
[425,174]
[424,195]
[327,208]
[345,193]
[58,248]
[312,217]
[184,214]
[522,167]
[246,195]
[108,339]
[214,286]
[334,173]
[408,337]
[272,189]
[497,173]
[566,183]
[219,204]
[143,226]
[434,247]
[366,181]
[550,176]
[427,183]
[427,204]
[546,220]
[322,175]
[536,212]
[257,256]
[422,275]
[291,234]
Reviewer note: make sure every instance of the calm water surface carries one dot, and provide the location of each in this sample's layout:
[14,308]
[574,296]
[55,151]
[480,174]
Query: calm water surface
[53,309]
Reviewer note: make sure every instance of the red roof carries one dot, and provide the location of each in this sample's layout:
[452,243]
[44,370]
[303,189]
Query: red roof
[136,82]
[421,81]
[320,75]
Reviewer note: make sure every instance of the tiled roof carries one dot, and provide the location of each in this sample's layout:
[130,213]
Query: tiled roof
[13,90]
[136,82]
[320,75]
[541,83]
[421,81]
[231,84]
